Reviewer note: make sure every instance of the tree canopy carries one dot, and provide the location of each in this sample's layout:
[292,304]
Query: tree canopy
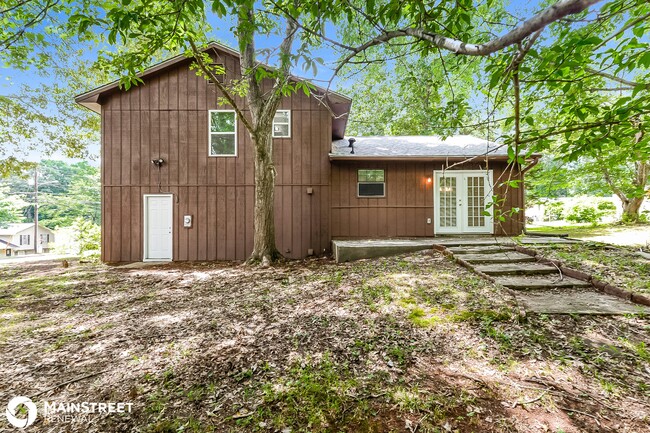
[67,192]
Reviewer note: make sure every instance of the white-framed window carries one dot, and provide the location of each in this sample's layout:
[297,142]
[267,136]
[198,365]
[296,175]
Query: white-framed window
[223,133]
[371,183]
[282,124]
[45,238]
[24,239]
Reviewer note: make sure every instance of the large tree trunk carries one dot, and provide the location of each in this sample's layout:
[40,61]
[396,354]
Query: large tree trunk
[631,209]
[264,249]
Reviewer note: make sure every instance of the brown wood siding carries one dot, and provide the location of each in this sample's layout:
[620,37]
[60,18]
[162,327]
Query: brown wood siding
[167,117]
[408,201]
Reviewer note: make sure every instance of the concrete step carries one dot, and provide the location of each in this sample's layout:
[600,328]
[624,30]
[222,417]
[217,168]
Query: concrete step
[568,301]
[505,257]
[516,282]
[350,250]
[470,242]
[525,268]
[489,249]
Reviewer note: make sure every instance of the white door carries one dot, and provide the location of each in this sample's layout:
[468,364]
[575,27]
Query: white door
[158,217]
[460,199]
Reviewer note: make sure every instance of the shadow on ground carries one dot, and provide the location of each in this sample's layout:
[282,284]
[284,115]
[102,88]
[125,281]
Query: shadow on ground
[410,343]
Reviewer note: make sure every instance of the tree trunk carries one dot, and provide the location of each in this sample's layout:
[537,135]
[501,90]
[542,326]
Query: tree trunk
[631,209]
[264,249]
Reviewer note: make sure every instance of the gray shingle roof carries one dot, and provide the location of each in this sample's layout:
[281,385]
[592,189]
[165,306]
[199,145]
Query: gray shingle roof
[418,146]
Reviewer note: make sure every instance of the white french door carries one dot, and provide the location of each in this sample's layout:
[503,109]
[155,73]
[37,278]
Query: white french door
[460,198]
[158,218]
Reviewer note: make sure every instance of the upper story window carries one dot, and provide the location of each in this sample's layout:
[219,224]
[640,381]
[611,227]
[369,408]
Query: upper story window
[24,239]
[371,183]
[223,133]
[45,238]
[282,124]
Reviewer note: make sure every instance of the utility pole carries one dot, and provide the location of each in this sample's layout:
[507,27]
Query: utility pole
[36,210]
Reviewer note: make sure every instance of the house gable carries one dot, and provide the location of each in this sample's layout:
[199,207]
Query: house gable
[338,104]
[166,118]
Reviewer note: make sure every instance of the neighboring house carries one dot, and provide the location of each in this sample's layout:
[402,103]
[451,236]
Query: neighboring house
[18,239]
[198,203]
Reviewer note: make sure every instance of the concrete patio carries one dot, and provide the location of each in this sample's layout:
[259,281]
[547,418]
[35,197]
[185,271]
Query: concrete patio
[538,287]
[347,250]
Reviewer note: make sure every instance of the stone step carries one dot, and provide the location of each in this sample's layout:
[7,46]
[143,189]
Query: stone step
[470,242]
[532,240]
[570,301]
[489,249]
[505,257]
[525,268]
[517,282]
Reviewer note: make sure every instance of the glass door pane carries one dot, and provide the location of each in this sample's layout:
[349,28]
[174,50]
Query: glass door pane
[448,188]
[475,201]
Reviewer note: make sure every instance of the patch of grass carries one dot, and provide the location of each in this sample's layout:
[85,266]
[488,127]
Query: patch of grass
[484,316]
[61,341]
[619,266]
[313,396]
[190,424]
[373,294]
[71,303]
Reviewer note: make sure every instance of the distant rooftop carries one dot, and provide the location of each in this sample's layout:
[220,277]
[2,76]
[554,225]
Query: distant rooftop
[418,146]
[14,228]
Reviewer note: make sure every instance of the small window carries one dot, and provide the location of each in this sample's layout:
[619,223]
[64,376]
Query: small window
[45,238]
[24,239]
[371,183]
[223,133]
[282,124]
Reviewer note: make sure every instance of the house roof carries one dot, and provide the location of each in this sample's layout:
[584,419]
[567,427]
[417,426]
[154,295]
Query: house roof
[8,244]
[414,147]
[338,103]
[15,228]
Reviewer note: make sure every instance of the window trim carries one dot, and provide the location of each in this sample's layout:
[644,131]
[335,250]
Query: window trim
[374,182]
[28,240]
[210,133]
[288,123]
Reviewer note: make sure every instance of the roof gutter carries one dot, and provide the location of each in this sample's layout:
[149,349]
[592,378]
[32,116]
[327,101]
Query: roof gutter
[469,158]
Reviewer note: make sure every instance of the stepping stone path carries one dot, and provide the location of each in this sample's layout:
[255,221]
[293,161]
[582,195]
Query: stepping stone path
[541,288]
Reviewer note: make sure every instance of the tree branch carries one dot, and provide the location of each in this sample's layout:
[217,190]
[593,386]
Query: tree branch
[615,78]
[226,94]
[623,29]
[247,49]
[555,12]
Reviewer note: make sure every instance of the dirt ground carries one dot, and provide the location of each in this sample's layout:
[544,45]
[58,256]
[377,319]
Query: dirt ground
[403,344]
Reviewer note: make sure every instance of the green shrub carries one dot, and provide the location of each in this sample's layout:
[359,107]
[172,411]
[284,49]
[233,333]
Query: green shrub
[87,234]
[554,211]
[606,208]
[584,214]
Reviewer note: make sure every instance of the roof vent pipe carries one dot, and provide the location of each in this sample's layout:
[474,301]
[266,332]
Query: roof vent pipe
[351,140]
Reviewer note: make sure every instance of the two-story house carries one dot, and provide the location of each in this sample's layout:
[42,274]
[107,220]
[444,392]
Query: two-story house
[178,184]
